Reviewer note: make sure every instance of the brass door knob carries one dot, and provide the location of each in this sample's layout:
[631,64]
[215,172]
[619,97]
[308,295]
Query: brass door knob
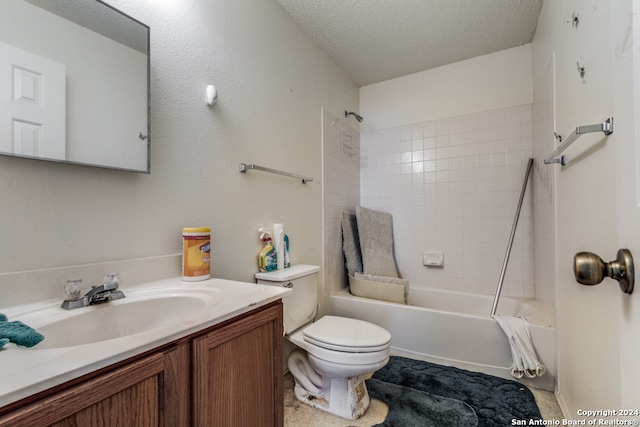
[589,269]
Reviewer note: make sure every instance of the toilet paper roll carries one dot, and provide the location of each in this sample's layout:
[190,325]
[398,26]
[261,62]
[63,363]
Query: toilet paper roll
[278,243]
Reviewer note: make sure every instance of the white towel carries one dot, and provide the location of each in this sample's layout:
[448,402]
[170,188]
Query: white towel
[525,361]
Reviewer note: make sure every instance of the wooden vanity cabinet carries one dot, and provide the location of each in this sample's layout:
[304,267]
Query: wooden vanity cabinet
[238,374]
[145,392]
[227,375]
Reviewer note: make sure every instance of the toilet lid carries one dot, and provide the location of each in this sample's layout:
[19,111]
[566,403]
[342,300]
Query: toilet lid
[346,334]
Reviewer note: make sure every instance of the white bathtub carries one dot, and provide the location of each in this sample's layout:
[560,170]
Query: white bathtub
[453,328]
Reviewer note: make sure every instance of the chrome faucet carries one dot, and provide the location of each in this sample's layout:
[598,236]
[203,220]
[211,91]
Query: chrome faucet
[98,294]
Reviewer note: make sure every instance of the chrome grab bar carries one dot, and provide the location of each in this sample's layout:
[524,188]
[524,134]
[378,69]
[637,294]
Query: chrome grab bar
[606,127]
[244,167]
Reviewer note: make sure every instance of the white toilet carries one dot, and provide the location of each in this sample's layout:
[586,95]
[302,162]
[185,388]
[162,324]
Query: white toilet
[335,354]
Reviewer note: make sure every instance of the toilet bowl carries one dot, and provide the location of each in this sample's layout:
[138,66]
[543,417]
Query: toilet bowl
[334,355]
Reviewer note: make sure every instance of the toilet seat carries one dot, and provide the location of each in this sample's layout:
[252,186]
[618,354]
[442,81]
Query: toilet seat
[339,357]
[346,334]
[345,348]
[344,341]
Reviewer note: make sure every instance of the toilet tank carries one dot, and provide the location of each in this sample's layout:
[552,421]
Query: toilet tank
[301,304]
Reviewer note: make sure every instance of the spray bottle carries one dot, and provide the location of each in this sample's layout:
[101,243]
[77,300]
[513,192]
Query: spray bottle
[267,260]
[287,257]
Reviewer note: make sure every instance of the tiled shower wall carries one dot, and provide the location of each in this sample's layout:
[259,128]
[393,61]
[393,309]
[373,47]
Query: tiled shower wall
[452,186]
[341,183]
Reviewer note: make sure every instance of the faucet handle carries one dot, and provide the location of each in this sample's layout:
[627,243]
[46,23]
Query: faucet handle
[113,279]
[73,290]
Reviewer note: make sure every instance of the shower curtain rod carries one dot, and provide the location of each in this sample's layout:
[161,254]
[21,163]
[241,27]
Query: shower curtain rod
[510,244]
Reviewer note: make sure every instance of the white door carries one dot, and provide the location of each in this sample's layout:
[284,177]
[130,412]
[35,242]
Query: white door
[627,139]
[32,104]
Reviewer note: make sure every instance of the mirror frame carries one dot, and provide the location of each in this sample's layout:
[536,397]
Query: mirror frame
[144,28]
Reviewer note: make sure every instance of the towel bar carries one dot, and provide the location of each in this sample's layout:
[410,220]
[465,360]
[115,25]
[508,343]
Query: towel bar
[606,127]
[244,167]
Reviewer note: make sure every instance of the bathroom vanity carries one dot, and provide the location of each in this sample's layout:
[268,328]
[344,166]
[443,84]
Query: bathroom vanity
[224,371]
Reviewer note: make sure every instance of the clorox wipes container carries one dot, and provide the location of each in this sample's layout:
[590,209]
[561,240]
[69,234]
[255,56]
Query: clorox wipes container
[196,248]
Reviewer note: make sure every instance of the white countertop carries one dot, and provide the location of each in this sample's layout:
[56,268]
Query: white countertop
[26,371]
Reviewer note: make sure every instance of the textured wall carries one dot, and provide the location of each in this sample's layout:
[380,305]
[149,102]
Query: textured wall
[488,82]
[272,83]
[588,319]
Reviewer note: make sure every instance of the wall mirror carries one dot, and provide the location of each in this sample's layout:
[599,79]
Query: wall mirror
[74,84]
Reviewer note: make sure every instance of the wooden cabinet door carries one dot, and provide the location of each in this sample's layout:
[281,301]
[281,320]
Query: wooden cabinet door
[147,392]
[237,372]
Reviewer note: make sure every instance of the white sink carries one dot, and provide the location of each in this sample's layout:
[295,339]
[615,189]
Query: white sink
[86,339]
[141,311]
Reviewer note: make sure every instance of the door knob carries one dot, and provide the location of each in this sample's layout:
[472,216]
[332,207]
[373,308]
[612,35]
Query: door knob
[590,269]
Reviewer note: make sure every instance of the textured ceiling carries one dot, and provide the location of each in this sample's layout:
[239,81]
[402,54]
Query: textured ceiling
[377,40]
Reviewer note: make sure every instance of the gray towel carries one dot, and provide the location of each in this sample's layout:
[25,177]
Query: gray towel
[375,230]
[351,243]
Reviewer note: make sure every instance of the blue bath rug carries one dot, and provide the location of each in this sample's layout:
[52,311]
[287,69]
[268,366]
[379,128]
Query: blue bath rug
[495,401]
[411,407]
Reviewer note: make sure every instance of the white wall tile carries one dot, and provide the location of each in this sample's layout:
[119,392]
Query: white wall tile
[341,186]
[465,175]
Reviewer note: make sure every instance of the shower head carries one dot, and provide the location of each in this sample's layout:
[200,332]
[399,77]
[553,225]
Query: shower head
[357,116]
